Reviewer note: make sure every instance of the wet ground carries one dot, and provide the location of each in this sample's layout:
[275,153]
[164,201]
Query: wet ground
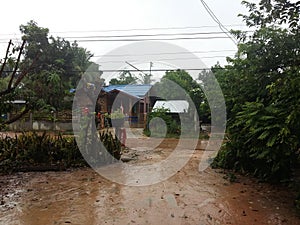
[82,196]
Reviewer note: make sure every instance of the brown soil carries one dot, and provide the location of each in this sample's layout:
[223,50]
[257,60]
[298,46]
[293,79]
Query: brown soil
[190,197]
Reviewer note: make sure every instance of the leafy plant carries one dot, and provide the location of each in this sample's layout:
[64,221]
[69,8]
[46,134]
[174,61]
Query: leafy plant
[261,143]
[117,114]
[173,127]
[112,144]
[31,151]
[261,86]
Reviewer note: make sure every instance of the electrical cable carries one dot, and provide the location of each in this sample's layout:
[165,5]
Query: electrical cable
[147,35]
[92,38]
[214,17]
[168,59]
[137,29]
[153,39]
[143,70]
[165,53]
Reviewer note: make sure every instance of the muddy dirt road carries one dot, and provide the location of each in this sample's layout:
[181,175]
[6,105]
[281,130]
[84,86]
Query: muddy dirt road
[83,197]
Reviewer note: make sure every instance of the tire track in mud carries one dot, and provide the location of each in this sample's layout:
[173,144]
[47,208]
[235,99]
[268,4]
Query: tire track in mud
[81,196]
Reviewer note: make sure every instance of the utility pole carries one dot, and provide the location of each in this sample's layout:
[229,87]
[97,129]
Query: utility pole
[135,67]
[151,64]
[145,98]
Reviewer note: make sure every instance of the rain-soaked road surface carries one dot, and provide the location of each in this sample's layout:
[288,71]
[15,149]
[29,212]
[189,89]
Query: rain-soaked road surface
[83,197]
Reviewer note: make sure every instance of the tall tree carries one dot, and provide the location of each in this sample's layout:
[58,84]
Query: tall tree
[10,84]
[187,85]
[261,86]
[60,66]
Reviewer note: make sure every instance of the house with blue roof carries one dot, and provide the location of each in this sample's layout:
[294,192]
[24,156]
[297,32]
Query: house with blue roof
[134,100]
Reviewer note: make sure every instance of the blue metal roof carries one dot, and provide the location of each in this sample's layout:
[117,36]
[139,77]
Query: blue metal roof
[136,90]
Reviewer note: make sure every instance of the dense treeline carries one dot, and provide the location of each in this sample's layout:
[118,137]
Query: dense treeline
[261,85]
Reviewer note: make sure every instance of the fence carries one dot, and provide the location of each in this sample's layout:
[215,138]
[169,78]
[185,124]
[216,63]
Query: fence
[40,123]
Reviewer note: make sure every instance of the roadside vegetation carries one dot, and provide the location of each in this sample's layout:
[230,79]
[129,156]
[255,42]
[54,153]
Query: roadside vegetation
[31,151]
[261,86]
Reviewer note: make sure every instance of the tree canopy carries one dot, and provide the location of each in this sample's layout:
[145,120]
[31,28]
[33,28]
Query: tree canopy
[261,85]
[60,64]
[52,66]
[125,77]
[180,85]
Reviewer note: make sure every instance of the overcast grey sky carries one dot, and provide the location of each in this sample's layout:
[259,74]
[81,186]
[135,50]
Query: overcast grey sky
[84,18]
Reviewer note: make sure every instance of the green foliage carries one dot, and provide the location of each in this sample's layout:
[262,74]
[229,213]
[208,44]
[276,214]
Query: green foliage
[213,98]
[50,67]
[117,114]
[188,87]
[30,151]
[125,77]
[172,126]
[112,144]
[273,12]
[261,143]
[183,86]
[58,66]
[96,147]
[261,86]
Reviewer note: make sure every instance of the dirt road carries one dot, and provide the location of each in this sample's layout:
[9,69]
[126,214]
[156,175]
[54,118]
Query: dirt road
[84,197]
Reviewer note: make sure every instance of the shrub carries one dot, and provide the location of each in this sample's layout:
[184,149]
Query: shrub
[33,151]
[261,143]
[173,126]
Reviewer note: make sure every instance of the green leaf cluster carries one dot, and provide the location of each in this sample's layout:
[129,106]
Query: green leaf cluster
[54,67]
[172,125]
[34,151]
[261,86]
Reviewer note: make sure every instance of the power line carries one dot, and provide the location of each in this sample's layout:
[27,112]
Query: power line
[165,53]
[151,28]
[142,70]
[163,70]
[138,29]
[148,35]
[143,35]
[214,17]
[161,59]
[154,39]
[149,39]
[137,69]
[169,59]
